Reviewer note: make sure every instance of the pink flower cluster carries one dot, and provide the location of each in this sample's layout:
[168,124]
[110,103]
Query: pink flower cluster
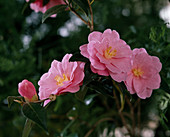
[38,6]
[109,55]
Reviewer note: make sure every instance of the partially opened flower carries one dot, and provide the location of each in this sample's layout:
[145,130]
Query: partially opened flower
[62,77]
[143,76]
[108,54]
[38,6]
[27,90]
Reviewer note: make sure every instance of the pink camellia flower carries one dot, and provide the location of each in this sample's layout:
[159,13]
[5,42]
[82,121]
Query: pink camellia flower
[38,5]
[144,74]
[62,77]
[27,90]
[108,54]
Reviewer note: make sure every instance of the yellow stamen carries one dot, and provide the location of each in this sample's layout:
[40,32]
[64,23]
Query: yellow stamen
[60,80]
[109,53]
[137,72]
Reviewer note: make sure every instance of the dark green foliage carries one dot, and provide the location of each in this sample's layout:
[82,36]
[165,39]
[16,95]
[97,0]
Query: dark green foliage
[138,24]
[36,113]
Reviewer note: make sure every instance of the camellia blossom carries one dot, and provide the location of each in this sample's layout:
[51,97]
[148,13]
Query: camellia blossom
[143,76]
[108,54]
[38,5]
[27,90]
[62,77]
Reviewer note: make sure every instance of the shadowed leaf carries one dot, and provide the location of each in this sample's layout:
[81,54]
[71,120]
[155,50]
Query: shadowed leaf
[53,10]
[36,113]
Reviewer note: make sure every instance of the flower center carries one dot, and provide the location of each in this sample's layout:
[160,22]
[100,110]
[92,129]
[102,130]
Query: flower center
[137,72]
[109,53]
[60,80]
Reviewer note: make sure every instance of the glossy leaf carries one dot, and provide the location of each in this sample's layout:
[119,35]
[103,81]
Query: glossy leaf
[53,10]
[83,4]
[101,88]
[36,113]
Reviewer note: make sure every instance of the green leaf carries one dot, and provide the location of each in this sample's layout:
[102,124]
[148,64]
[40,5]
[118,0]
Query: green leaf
[11,99]
[83,4]
[45,2]
[81,94]
[157,33]
[53,10]
[36,113]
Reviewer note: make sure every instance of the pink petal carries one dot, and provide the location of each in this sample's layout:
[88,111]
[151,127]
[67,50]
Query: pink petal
[129,84]
[83,50]
[145,94]
[111,35]
[78,75]
[95,36]
[102,59]
[138,84]
[112,68]
[123,64]
[71,89]
[137,51]
[142,59]
[46,102]
[154,82]
[100,72]
[156,63]
[118,76]
[96,64]
[56,68]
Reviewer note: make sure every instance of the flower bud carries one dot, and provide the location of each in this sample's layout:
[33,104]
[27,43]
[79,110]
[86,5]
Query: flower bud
[27,90]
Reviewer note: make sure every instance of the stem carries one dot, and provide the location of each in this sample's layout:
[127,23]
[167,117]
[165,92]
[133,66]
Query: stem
[120,112]
[139,114]
[132,115]
[97,123]
[39,101]
[91,14]
[65,129]
[27,128]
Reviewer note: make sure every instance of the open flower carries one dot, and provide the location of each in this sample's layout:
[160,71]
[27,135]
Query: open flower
[27,90]
[62,77]
[143,76]
[108,54]
[38,5]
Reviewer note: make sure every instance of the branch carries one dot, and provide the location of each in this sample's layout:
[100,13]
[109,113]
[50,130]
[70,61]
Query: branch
[91,14]
[97,123]
[132,115]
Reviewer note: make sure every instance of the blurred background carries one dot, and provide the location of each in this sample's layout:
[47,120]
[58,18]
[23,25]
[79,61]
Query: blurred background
[27,48]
